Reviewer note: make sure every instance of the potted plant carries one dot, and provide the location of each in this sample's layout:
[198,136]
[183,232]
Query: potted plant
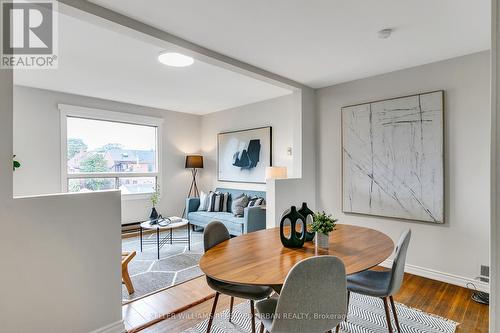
[155,198]
[322,225]
[15,163]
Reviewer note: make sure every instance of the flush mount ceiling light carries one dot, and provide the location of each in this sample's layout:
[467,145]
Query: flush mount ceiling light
[175,59]
[384,33]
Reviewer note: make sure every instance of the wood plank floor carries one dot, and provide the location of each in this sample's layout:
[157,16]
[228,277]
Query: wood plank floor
[141,313]
[431,296]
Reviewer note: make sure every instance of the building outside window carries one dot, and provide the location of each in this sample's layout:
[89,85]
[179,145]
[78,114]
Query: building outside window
[105,150]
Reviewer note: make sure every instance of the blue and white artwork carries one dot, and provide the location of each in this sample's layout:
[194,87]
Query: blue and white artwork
[244,155]
[392,158]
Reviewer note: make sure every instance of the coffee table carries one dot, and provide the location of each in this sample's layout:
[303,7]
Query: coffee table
[160,239]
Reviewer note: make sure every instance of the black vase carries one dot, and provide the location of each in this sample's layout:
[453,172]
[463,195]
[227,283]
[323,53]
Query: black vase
[305,211]
[154,214]
[296,239]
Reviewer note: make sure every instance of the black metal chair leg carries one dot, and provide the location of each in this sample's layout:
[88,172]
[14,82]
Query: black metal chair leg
[348,300]
[261,328]
[395,314]
[212,313]
[387,314]
[231,309]
[252,311]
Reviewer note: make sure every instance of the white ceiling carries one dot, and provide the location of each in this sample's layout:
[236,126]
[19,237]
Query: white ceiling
[99,62]
[322,42]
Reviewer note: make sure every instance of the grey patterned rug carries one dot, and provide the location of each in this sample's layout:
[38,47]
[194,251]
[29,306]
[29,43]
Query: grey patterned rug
[176,265]
[366,315]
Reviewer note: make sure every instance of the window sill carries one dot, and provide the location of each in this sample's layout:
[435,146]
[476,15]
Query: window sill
[141,196]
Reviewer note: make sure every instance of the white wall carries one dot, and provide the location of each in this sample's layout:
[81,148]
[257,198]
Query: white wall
[495,171]
[459,246]
[280,113]
[61,262]
[37,146]
[283,193]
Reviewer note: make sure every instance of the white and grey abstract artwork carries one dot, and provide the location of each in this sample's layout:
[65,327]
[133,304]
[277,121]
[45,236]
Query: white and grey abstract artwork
[244,155]
[393,158]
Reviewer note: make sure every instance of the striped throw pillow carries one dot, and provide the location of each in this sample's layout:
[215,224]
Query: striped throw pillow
[217,202]
[256,201]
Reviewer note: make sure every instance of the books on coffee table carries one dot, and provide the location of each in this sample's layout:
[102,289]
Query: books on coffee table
[163,222]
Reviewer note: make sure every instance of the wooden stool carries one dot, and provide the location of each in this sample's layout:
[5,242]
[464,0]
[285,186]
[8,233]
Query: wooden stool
[126,258]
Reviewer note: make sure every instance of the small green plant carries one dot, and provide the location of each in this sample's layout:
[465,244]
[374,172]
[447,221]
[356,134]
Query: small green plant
[323,223]
[155,197]
[16,164]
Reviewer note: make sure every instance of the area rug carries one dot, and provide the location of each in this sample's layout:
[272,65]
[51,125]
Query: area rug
[177,264]
[366,315]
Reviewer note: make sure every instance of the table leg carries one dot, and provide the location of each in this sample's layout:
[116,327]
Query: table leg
[171,236]
[141,237]
[158,242]
[189,237]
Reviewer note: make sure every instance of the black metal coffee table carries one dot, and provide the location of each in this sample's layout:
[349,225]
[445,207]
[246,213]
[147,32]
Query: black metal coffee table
[168,237]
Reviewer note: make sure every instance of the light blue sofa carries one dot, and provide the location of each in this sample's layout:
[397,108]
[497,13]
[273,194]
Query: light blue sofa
[254,218]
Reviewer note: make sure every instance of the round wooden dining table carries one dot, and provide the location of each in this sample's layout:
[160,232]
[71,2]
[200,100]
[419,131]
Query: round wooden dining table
[259,258]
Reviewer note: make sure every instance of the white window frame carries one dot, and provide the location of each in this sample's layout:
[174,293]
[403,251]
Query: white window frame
[113,116]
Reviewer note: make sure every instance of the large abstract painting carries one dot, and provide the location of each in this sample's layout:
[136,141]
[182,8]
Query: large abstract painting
[244,155]
[392,158]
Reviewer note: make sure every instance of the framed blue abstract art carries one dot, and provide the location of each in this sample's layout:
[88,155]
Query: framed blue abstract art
[242,156]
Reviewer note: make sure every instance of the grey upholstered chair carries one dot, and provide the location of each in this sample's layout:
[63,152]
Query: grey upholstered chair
[383,284]
[313,298]
[215,233]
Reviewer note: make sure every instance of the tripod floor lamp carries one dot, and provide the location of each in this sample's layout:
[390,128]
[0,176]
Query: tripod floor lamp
[193,162]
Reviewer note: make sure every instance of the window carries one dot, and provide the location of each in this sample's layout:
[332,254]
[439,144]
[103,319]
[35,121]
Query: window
[104,150]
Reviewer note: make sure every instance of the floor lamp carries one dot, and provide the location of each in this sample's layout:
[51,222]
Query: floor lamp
[193,162]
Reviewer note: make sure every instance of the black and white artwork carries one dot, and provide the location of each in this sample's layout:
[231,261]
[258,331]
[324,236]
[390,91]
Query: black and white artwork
[392,158]
[244,155]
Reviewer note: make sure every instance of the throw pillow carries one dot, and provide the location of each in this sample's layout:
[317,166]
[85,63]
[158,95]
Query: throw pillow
[217,202]
[256,201]
[238,205]
[203,201]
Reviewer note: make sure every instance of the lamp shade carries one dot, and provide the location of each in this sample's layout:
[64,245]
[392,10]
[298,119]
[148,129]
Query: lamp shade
[276,172]
[194,162]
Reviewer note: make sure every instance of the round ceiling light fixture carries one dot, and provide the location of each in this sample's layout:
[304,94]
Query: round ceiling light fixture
[385,33]
[175,59]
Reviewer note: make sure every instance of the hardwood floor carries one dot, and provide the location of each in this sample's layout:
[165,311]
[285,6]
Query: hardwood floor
[431,296]
[444,300]
[167,303]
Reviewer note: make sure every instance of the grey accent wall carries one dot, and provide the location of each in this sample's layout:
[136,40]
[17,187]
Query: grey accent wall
[460,246]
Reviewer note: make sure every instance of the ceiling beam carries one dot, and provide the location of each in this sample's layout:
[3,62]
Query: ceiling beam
[199,52]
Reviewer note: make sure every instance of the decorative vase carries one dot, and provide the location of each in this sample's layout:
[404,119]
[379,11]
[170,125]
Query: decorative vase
[296,239]
[154,215]
[322,240]
[308,216]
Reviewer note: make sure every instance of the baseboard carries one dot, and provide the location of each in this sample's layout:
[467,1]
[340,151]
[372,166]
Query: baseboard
[116,327]
[441,276]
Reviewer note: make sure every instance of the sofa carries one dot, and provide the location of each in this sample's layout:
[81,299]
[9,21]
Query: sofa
[254,218]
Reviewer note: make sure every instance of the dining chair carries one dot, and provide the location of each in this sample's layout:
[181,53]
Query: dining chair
[216,233]
[313,298]
[383,284]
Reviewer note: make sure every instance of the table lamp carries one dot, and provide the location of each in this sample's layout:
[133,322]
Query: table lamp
[276,172]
